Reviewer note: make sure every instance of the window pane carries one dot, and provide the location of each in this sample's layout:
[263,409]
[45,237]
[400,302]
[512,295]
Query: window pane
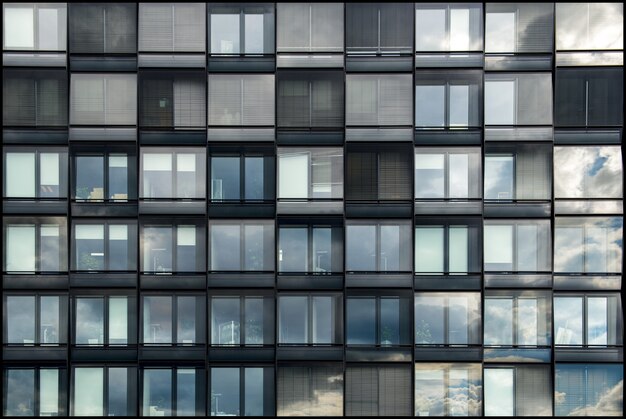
[323,324]
[429,319]
[50,248]
[186,248]
[500,102]
[498,321]
[429,176]
[498,247]
[89,242]
[293,320]
[429,256]
[569,240]
[89,177]
[157,392]
[255,248]
[499,177]
[390,248]
[20,173]
[18,28]
[118,177]
[430,391]
[293,179]
[20,320]
[186,392]
[225,247]
[527,319]
[323,258]
[88,391]
[293,250]
[458,320]
[361,248]
[225,317]
[118,320]
[459,105]
[254,33]
[500,32]
[310,391]
[459,29]
[49,392]
[430,106]
[254,392]
[568,320]
[225,392]
[254,178]
[157,253]
[458,249]
[458,181]
[121,257]
[499,398]
[49,175]
[430,26]
[20,391]
[189,184]
[361,321]
[527,247]
[254,321]
[157,320]
[225,34]
[89,321]
[20,248]
[597,321]
[186,327]
[119,392]
[157,175]
[49,320]
[48,28]
[389,321]
[589,390]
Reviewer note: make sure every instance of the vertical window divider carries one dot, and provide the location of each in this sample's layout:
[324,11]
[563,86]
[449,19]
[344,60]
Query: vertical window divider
[309,252]
[105,320]
[242,320]
[242,388]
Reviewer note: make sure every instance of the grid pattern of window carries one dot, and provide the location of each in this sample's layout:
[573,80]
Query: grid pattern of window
[312,209]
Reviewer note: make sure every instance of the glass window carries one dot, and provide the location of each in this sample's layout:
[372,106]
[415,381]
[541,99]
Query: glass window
[588,245]
[34,97]
[312,27]
[378,100]
[379,27]
[309,320]
[589,97]
[90,398]
[448,27]
[518,99]
[518,172]
[104,247]
[173,175]
[39,27]
[310,173]
[241,246]
[517,319]
[518,246]
[449,99]
[173,320]
[35,245]
[378,246]
[519,28]
[588,172]
[35,319]
[240,320]
[310,99]
[375,321]
[173,248]
[22,166]
[103,99]
[228,171]
[447,319]
[234,388]
[91,315]
[589,389]
[103,28]
[310,248]
[600,314]
[238,29]
[447,173]
[310,391]
[34,391]
[518,391]
[448,389]
[589,26]
[159,397]
[378,390]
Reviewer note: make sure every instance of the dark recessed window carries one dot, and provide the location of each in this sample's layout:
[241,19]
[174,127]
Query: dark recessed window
[34,98]
[34,391]
[241,29]
[242,321]
[173,247]
[378,246]
[172,27]
[104,176]
[103,28]
[310,319]
[172,391]
[314,248]
[242,391]
[104,320]
[378,321]
[379,28]
[447,318]
[172,320]
[246,245]
[246,176]
[35,173]
[35,319]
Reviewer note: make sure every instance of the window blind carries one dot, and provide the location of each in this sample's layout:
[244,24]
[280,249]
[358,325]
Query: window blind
[103,99]
[394,175]
[533,26]
[237,100]
[172,27]
[173,100]
[310,27]
[533,391]
[518,99]
[533,172]
[103,28]
[586,26]
[378,391]
[34,97]
[362,179]
[379,27]
[38,26]
[379,99]
[310,99]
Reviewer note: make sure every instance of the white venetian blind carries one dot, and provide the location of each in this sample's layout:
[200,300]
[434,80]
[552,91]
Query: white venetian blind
[310,27]
[236,100]
[189,103]
[89,232]
[20,175]
[157,162]
[389,95]
[172,27]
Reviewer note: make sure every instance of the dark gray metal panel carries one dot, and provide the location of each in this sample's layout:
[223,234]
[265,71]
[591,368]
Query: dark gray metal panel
[100,354]
[517,209]
[449,207]
[182,282]
[312,60]
[378,354]
[172,60]
[587,136]
[240,280]
[35,136]
[379,134]
[32,353]
[309,137]
[242,64]
[286,207]
[383,210]
[103,134]
[448,137]
[375,63]
[519,134]
[34,59]
[172,207]
[34,282]
[110,209]
[379,280]
[312,282]
[241,210]
[518,280]
[95,63]
[588,354]
[247,134]
[239,354]
[173,353]
[587,282]
[182,137]
[103,280]
[517,355]
[34,207]
[518,62]
[309,353]
[449,354]
[448,282]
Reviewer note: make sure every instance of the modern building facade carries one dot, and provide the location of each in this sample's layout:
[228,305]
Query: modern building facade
[312,209]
